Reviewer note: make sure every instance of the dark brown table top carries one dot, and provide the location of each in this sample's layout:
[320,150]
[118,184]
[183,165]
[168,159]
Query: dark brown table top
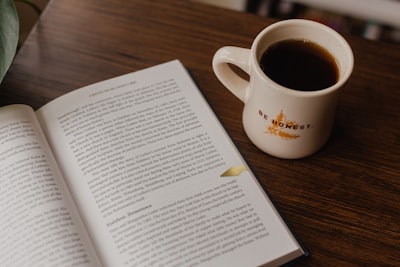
[343,202]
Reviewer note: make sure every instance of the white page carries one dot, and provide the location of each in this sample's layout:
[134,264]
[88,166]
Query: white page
[39,225]
[143,154]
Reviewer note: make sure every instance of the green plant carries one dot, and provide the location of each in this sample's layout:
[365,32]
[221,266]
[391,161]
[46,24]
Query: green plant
[9,32]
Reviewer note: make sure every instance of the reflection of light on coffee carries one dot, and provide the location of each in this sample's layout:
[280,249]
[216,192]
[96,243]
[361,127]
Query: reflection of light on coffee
[280,123]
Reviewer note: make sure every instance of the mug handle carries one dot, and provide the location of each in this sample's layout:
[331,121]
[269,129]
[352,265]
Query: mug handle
[239,57]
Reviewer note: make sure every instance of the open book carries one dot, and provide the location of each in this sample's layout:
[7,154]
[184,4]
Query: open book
[132,171]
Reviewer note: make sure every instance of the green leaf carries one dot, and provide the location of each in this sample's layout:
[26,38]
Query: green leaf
[9,34]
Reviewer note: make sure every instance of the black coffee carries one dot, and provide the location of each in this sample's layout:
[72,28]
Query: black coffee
[300,65]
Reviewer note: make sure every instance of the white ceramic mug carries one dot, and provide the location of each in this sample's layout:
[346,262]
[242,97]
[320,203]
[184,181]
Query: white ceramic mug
[283,122]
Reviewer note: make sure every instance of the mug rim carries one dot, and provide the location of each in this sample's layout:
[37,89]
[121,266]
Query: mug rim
[309,23]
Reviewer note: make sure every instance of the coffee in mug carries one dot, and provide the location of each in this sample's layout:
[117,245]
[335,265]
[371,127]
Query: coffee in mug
[300,65]
[296,70]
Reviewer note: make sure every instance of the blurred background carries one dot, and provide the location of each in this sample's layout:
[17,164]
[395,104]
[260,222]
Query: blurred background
[28,16]
[372,19]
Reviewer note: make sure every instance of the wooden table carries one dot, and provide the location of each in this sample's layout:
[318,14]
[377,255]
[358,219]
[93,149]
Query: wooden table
[343,202]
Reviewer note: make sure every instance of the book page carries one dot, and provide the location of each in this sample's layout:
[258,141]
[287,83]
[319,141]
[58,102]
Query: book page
[144,155]
[39,225]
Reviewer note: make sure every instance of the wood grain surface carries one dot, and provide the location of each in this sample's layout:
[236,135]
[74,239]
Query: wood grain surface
[343,202]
